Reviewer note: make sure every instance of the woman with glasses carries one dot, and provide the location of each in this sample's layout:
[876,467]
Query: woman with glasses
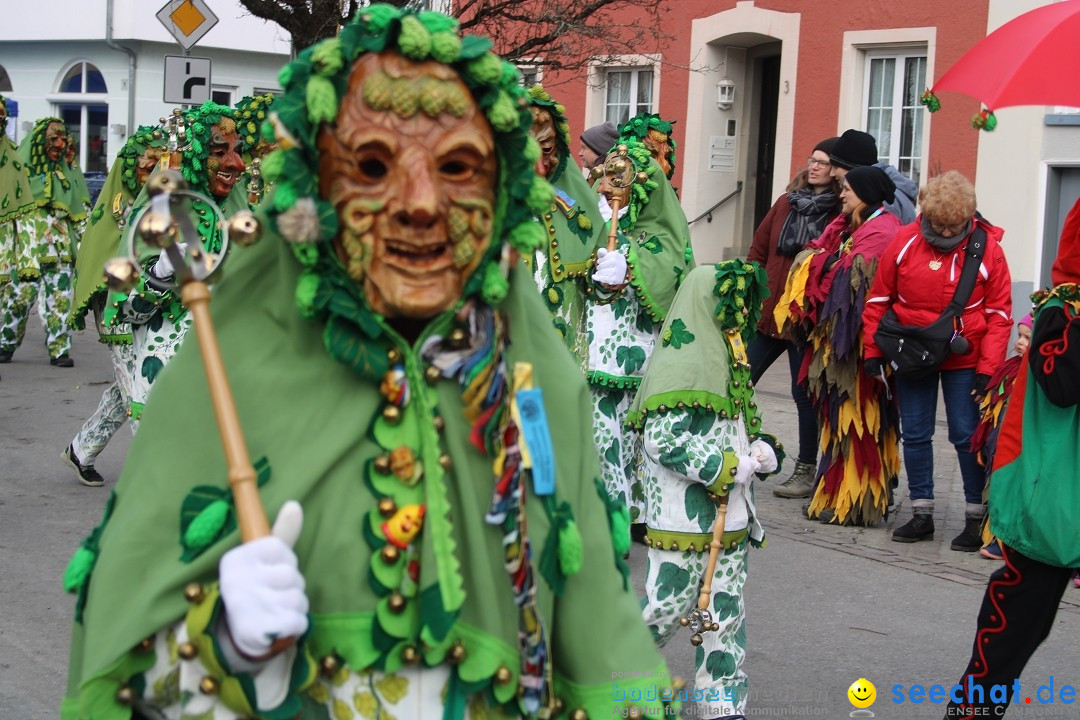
[824,297]
[796,218]
[917,279]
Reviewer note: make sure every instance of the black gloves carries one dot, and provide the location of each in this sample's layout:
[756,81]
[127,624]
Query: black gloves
[874,366]
[978,387]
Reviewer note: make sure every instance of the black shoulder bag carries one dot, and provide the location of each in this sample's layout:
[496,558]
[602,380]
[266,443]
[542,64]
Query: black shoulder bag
[916,351]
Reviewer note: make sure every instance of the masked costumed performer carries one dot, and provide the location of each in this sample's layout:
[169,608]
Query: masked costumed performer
[45,255]
[17,208]
[623,327]
[211,164]
[654,133]
[826,292]
[703,441]
[250,113]
[454,556]
[562,268]
[101,241]
[1035,495]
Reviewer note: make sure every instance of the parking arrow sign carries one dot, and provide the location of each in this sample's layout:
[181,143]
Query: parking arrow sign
[187,80]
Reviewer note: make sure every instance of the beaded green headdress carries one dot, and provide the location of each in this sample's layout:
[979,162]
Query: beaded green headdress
[640,126]
[314,84]
[38,162]
[639,191]
[146,136]
[199,123]
[541,98]
[250,114]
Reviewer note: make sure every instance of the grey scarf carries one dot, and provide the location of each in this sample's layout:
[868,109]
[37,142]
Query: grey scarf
[810,213]
[943,244]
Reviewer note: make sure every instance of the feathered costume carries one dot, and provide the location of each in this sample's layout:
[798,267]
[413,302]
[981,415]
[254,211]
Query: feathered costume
[860,458]
[991,413]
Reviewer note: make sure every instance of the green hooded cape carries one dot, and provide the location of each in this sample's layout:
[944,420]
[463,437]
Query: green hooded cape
[52,188]
[16,197]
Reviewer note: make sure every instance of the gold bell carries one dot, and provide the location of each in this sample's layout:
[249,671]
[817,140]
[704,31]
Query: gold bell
[579,714]
[410,655]
[445,462]
[121,274]
[145,645]
[678,683]
[188,651]
[387,507]
[157,230]
[439,423]
[329,665]
[558,705]
[503,675]
[194,593]
[393,355]
[208,686]
[382,464]
[684,621]
[458,337]
[244,228]
[390,554]
[596,173]
[457,654]
[696,639]
[643,177]
[432,374]
[715,627]
[635,712]
[125,696]
[396,602]
[392,414]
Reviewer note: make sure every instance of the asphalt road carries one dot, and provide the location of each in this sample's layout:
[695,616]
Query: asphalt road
[826,605]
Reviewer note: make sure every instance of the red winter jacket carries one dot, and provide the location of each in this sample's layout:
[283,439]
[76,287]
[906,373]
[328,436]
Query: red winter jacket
[917,294]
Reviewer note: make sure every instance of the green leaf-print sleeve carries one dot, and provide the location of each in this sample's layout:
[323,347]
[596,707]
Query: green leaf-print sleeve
[699,450]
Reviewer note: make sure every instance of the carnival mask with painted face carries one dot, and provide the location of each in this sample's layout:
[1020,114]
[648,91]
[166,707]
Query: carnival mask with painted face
[412,182]
[146,163]
[659,145]
[70,150]
[224,164]
[56,140]
[543,130]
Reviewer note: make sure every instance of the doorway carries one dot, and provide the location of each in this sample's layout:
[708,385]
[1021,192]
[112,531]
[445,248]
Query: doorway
[767,72]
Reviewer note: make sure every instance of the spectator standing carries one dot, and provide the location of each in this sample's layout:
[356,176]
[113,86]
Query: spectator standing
[595,144]
[795,219]
[917,279]
[825,293]
[856,148]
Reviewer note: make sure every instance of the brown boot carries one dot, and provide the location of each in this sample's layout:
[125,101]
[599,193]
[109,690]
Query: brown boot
[799,485]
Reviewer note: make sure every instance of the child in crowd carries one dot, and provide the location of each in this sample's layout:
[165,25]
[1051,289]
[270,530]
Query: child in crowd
[991,413]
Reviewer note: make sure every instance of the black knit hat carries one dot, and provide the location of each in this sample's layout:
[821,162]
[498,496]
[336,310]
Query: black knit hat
[826,145]
[854,149]
[872,185]
[601,138]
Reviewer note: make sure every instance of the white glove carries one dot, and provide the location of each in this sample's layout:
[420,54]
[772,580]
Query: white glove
[262,588]
[610,267]
[746,469]
[765,455]
[163,268]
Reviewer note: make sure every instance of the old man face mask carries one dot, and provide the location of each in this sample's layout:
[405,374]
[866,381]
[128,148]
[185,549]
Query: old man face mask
[415,191]
[56,140]
[543,129]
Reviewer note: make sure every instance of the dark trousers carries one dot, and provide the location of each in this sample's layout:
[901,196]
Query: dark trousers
[1017,613]
[761,354]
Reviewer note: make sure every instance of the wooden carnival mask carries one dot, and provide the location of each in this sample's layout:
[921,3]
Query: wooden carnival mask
[146,163]
[224,164]
[56,140]
[659,145]
[410,166]
[543,130]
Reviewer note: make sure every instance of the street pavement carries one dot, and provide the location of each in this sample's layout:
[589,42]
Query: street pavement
[826,605]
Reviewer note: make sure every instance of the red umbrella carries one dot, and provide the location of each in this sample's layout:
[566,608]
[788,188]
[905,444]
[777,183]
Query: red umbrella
[1027,61]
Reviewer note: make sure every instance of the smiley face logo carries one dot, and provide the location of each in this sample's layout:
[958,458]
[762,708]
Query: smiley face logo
[862,693]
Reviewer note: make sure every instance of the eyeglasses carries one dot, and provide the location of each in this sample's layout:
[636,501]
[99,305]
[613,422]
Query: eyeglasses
[812,161]
[948,230]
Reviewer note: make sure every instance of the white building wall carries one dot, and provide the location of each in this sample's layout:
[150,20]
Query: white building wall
[245,52]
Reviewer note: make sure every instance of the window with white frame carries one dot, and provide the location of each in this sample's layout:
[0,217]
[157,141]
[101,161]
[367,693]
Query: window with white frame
[223,95]
[81,101]
[894,81]
[627,92]
[531,74]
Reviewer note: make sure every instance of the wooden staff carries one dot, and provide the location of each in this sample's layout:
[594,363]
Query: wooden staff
[613,231]
[250,515]
[715,547]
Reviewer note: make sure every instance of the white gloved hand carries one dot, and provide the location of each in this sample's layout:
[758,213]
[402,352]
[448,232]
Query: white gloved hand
[746,469]
[765,455]
[610,267]
[262,588]
[163,268]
